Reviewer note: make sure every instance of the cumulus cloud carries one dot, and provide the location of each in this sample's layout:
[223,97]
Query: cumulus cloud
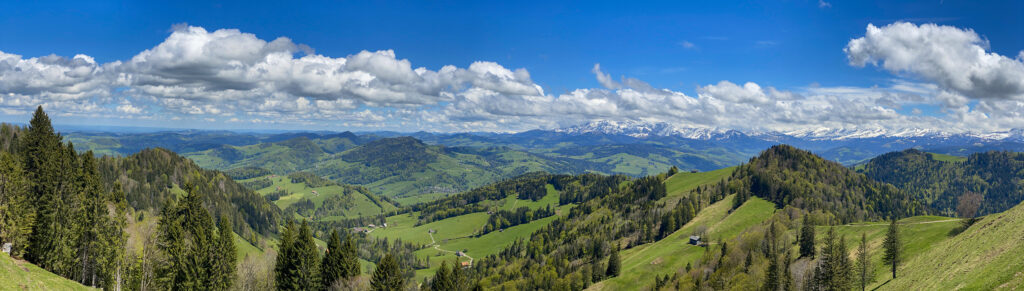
[235,77]
[957,59]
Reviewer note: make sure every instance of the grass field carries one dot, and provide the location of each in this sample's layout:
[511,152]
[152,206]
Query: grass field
[642,263]
[947,158]
[458,233]
[22,275]
[362,206]
[986,256]
[919,234]
[682,182]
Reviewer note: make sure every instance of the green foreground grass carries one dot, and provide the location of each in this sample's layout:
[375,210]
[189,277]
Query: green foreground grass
[22,275]
[987,256]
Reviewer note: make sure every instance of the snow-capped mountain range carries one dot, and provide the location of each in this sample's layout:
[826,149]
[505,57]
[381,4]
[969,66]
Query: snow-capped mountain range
[645,129]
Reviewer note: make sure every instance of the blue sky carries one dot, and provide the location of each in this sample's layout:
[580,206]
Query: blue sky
[677,49]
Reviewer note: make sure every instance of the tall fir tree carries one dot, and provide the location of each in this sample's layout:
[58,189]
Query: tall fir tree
[332,267]
[226,257]
[307,259]
[893,247]
[350,257]
[113,240]
[17,210]
[864,270]
[190,242]
[388,275]
[614,264]
[806,238]
[285,268]
[48,167]
[443,280]
[93,218]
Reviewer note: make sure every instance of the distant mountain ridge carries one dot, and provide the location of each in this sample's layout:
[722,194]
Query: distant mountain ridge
[650,129]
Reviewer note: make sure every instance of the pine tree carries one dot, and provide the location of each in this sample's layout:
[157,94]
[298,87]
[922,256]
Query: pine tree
[187,237]
[52,240]
[443,279]
[285,268]
[94,217]
[459,280]
[307,259]
[387,276]
[55,236]
[833,271]
[864,269]
[332,267]
[226,256]
[17,210]
[892,247]
[115,240]
[350,258]
[614,265]
[807,239]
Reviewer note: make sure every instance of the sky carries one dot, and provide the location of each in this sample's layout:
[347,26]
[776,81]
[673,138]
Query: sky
[452,66]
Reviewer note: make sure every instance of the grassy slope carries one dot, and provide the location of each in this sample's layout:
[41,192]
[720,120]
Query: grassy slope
[986,256]
[642,263]
[21,275]
[456,233]
[681,183]
[920,234]
[947,158]
[673,252]
[297,191]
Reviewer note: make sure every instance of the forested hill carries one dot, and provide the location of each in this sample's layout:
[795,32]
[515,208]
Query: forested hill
[152,177]
[789,176]
[995,175]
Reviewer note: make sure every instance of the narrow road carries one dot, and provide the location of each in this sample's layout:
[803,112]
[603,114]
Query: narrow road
[438,247]
[923,222]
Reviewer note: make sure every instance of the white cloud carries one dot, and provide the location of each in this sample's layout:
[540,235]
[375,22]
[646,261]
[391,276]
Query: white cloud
[603,78]
[231,76]
[954,58]
[823,4]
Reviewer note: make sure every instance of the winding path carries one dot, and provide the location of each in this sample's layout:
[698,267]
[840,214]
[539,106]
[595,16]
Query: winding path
[912,223]
[438,247]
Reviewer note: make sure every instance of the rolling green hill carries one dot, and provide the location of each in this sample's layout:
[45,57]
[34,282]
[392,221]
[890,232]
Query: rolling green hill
[938,180]
[986,256]
[403,168]
[319,199]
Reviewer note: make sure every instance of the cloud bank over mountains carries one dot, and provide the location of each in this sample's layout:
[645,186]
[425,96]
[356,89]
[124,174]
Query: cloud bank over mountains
[230,76]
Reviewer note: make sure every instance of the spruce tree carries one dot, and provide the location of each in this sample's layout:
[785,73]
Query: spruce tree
[114,239]
[387,276]
[226,256]
[807,239]
[332,267]
[350,258]
[892,247]
[307,259]
[285,268]
[94,216]
[55,236]
[443,279]
[191,244]
[614,265]
[17,210]
[459,280]
[864,269]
